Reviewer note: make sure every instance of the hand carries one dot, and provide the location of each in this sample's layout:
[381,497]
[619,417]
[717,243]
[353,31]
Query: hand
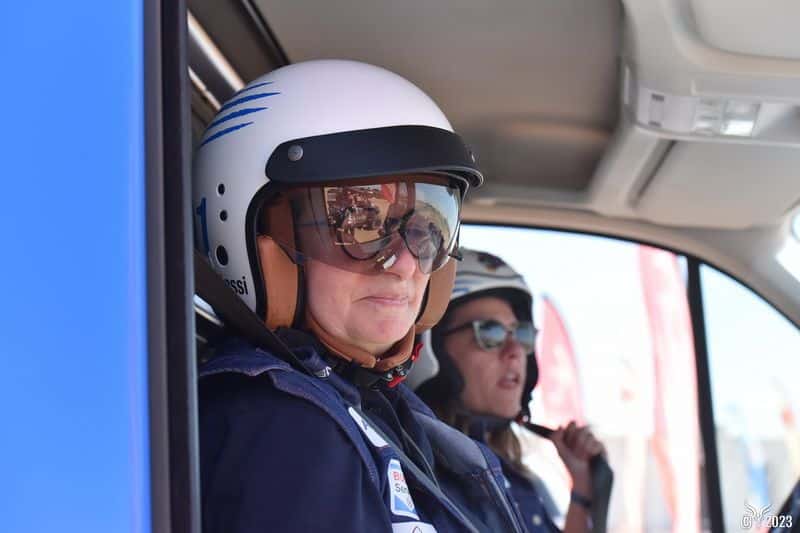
[576,445]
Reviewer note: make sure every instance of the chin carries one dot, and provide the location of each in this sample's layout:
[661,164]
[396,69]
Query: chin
[509,411]
[390,339]
[391,330]
[509,415]
[384,337]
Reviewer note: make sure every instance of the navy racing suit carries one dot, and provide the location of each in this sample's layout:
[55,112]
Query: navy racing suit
[282,450]
[535,510]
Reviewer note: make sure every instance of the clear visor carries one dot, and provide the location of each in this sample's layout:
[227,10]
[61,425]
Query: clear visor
[363,227]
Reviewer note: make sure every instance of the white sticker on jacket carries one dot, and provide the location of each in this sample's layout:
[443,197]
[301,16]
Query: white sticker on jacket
[412,527]
[401,502]
[367,430]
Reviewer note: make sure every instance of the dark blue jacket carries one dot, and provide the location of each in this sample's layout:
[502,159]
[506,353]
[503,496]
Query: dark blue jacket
[533,501]
[284,451]
[534,510]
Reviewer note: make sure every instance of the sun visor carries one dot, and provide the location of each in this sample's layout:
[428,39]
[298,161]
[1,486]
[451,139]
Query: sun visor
[716,185]
[372,152]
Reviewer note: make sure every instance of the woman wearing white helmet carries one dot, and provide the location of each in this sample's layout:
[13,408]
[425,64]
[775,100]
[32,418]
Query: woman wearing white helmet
[328,197]
[481,369]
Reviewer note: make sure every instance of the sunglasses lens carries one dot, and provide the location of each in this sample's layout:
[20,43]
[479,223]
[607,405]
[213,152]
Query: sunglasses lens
[526,336]
[424,240]
[490,334]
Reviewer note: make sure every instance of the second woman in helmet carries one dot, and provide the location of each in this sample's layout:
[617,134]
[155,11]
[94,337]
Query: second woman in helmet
[484,348]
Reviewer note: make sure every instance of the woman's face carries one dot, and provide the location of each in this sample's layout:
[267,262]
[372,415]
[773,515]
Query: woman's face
[493,379]
[371,312]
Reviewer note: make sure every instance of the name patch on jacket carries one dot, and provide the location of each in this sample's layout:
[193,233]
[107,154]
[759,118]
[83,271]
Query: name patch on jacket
[401,502]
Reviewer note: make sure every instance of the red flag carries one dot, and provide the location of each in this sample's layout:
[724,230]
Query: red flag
[676,437]
[388,191]
[558,388]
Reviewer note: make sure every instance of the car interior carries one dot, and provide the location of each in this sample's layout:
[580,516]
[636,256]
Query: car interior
[673,124]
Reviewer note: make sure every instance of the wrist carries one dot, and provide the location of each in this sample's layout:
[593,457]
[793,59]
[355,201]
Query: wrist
[582,499]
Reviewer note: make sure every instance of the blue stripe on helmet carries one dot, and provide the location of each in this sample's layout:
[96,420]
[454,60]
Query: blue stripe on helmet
[224,132]
[251,87]
[244,99]
[231,116]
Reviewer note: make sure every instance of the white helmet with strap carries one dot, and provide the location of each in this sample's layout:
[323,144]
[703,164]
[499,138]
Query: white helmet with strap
[317,122]
[320,127]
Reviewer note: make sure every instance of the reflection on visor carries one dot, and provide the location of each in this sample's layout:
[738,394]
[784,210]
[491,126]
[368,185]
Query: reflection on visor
[363,228]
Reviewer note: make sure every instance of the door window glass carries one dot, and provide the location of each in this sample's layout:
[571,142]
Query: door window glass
[754,359]
[615,352]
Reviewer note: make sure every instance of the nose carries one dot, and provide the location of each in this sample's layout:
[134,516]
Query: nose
[404,265]
[512,349]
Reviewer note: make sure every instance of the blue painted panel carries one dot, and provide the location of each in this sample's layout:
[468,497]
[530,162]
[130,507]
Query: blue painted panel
[73,386]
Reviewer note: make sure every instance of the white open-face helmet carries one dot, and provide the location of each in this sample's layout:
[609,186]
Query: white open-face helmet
[318,124]
[478,274]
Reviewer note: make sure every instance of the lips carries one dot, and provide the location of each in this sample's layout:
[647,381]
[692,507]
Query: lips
[510,380]
[388,299]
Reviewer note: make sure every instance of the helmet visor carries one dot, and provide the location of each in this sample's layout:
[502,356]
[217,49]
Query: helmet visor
[363,226]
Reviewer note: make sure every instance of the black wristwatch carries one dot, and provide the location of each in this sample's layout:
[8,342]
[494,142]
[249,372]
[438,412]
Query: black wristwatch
[580,499]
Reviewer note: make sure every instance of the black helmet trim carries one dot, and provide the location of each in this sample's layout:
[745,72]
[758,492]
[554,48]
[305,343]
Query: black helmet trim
[372,152]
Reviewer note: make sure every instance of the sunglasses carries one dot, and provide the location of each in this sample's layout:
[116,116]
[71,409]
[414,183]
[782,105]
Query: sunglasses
[363,227]
[492,334]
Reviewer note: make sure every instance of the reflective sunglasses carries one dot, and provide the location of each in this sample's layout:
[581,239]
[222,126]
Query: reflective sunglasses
[361,226]
[491,334]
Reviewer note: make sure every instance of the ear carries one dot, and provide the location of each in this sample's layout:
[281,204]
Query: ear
[280,277]
[437,296]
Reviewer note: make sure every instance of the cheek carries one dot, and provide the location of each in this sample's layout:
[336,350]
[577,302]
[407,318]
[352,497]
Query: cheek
[483,374]
[326,292]
[420,285]
[473,370]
